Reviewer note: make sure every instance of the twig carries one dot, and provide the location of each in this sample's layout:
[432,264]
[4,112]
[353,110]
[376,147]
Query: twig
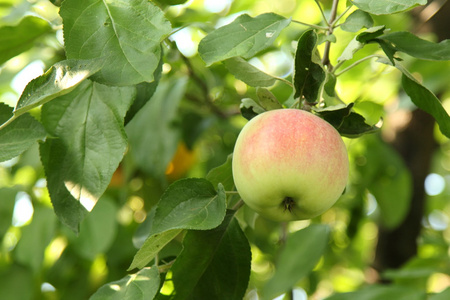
[340,16]
[204,88]
[326,53]
[323,14]
[238,205]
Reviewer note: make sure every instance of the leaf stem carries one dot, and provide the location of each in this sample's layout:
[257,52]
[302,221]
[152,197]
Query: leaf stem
[323,14]
[9,121]
[285,81]
[231,192]
[166,267]
[355,63]
[310,25]
[296,103]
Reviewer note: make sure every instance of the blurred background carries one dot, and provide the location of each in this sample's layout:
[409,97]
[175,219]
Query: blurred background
[392,224]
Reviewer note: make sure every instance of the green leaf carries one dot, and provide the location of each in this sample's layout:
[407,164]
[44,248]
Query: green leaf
[309,75]
[18,135]
[247,73]
[127,34]
[426,100]
[354,125]
[267,100]
[22,37]
[214,264]
[69,211]
[385,175]
[392,186]
[360,40]
[306,246]
[420,268]
[357,20]
[59,80]
[348,123]
[151,247]
[97,231]
[330,84]
[370,34]
[352,47]
[172,2]
[413,45]
[444,295]
[144,92]
[143,285]
[91,142]
[423,98]
[250,109]
[56,2]
[322,38]
[190,203]
[388,49]
[335,115]
[35,238]
[6,112]
[8,196]
[245,36]
[381,292]
[222,174]
[383,7]
[153,148]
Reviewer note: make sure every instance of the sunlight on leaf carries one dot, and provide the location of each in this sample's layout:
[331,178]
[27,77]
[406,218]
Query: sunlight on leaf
[59,80]
[140,286]
[127,34]
[79,192]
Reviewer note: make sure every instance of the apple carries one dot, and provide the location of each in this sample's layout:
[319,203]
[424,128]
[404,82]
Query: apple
[289,164]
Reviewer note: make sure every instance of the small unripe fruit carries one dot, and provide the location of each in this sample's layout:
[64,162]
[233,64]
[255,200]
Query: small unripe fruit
[289,164]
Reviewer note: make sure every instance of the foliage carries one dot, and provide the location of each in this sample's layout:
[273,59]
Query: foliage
[120,151]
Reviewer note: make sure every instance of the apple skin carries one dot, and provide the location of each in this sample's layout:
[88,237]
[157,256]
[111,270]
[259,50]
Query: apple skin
[289,164]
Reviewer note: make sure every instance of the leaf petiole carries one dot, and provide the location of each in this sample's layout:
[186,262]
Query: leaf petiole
[9,121]
[323,14]
[310,25]
[355,63]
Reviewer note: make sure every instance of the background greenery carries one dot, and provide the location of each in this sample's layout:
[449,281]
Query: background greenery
[52,247]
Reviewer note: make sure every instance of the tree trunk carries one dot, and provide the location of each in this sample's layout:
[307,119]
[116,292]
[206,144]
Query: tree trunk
[416,145]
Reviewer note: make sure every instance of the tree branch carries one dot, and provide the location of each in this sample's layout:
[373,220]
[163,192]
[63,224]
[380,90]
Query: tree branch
[205,90]
[326,53]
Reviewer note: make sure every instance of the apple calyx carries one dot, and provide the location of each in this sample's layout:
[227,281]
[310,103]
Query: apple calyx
[288,203]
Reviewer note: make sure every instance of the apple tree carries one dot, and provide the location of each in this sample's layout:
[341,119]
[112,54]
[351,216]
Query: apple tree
[118,122]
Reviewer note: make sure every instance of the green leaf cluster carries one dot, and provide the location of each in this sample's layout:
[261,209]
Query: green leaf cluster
[126,141]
